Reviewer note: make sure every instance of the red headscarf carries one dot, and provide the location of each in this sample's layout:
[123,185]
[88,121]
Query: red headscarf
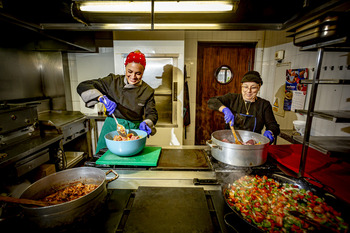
[136,57]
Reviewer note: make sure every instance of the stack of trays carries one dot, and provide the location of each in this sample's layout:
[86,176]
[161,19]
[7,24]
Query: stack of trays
[327,27]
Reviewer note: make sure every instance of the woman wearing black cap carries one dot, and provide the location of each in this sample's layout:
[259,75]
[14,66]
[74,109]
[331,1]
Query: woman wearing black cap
[247,111]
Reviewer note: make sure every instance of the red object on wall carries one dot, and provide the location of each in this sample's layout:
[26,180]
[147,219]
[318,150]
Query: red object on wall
[331,172]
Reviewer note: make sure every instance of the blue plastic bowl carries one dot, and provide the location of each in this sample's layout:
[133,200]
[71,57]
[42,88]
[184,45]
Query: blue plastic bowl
[126,148]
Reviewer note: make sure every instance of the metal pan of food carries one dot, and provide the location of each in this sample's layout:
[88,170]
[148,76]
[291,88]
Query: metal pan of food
[273,202]
[79,191]
[224,150]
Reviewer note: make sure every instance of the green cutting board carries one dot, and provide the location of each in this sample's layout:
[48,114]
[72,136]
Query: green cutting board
[147,157]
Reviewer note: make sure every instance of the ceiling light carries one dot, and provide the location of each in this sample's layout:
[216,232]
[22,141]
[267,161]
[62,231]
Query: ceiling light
[188,26]
[192,6]
[159,6]
[116,6]
[98,26]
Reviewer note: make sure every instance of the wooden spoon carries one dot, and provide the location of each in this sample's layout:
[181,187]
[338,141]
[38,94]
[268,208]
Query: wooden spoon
[27,201]
[234,134]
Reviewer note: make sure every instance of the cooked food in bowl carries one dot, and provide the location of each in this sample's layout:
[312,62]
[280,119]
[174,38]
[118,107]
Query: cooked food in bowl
[126,147]
[129,137]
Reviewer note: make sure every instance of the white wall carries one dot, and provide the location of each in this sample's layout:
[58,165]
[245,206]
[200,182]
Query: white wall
[86,66]
[329,97]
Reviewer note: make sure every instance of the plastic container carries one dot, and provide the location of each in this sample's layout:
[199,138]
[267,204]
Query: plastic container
[299,126]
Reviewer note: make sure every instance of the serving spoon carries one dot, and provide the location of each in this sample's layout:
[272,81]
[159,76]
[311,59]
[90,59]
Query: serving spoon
[120,128]
[27,201]
[234,134]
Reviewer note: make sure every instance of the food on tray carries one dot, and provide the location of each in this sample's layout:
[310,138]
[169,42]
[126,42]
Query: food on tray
[266,203]
[129,137]
[249,142]
[70,193]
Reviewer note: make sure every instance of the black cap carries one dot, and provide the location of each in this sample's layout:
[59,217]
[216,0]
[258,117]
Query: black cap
[252,76]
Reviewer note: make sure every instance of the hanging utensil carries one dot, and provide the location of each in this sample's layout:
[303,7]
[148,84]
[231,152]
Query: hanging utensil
[120,128]
[234,134]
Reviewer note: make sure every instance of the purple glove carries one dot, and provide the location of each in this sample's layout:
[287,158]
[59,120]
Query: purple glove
[269,135]
[110,105]
[228,116]
[144,127]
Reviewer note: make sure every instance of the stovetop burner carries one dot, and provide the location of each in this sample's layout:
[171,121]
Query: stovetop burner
[223,167]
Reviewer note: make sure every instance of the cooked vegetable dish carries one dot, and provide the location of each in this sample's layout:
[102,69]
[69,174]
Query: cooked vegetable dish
[70,193]
[268,204]
[128,137]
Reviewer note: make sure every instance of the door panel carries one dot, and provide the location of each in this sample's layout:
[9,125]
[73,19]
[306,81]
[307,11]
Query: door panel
[240,58]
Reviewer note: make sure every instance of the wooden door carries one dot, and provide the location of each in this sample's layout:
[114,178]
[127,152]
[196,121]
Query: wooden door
[240,58]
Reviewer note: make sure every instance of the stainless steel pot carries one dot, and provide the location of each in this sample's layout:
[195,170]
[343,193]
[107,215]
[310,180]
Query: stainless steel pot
[68,212]
[238,155]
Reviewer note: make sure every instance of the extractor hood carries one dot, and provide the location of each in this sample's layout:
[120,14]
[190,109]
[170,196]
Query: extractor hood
[64,22]
[245,15]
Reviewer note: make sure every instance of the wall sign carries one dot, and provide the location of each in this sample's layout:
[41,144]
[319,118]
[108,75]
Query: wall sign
[294,90]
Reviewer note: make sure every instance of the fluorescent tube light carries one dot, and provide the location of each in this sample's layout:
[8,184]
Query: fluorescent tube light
[182,26]
[159,6]
[192,6]
[114,6]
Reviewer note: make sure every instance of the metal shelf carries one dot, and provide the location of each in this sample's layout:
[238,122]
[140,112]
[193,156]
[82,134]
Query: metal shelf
[326,81]
[336,45]
[335,116]
[332,145]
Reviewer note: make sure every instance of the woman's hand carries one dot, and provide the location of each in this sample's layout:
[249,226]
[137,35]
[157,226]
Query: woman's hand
[269,135]
[228,116]
[110,105]
[144,127]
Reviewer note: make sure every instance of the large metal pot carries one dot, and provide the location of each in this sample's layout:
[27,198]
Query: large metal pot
[67,212]
[239,155]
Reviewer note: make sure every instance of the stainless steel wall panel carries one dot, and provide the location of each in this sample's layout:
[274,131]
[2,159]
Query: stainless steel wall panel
[19,74]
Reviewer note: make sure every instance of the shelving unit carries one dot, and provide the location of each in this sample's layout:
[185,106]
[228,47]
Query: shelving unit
[324,144]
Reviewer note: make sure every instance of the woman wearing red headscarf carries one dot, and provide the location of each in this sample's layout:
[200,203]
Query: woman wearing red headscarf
[127,96]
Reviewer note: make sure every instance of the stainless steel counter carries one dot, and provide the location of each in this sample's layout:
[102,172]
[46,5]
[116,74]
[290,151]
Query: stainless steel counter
[132,179]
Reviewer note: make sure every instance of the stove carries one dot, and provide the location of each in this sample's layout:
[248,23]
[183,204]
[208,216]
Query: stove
[22,146]
[153,209]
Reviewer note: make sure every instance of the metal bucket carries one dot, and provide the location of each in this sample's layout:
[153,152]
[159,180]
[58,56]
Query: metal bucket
[239,155]
[68,212]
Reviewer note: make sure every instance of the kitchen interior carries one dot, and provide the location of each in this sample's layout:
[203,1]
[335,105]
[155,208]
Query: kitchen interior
[46,50]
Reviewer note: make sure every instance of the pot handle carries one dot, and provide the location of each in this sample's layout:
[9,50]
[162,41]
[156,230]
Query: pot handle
[212,145]
[114,178]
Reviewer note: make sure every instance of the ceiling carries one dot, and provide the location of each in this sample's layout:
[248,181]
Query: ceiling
[56,17]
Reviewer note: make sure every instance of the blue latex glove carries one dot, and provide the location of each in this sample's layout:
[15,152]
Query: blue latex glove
[144,127]
[228,116]
[269,135]
[110,105]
